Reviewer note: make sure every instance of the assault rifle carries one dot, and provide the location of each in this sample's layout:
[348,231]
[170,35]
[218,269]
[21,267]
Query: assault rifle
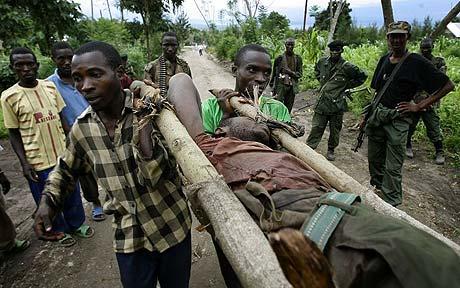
[369,109]
[348,92]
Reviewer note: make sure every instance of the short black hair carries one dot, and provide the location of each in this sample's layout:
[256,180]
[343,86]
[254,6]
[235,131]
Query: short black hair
[111,54]
[427,42]
[336,44]
[124,57]
[58,46]
[168,34]
[21,50]
[246,48]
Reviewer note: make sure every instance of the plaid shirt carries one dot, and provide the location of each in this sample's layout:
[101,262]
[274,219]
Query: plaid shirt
[150,211]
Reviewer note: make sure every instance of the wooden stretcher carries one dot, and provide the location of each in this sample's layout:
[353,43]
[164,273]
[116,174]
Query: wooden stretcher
[243,243]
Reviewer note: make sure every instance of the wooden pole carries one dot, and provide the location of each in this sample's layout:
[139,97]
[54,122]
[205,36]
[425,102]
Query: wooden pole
[443,24]
[337,178]
[92,10]
[242,241]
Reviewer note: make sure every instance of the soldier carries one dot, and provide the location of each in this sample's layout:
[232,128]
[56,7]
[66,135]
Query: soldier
[335,75]
[429,116]
[168,64]
[389,122]
[287,70]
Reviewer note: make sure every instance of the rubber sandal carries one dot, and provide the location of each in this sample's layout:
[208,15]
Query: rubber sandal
[84,231]
[67,241]
[19,246]
[97,214]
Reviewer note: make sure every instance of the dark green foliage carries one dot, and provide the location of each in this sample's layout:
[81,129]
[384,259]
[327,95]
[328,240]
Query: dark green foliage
[323,19]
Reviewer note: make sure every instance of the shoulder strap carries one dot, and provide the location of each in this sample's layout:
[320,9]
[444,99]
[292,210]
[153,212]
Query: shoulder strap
[379,94]
[333,75]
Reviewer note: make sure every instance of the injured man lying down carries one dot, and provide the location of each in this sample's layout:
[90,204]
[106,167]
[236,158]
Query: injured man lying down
[364,248]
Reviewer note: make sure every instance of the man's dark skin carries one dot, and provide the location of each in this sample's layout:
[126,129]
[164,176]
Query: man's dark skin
[63,60]
[397,43]
[26,67]
[289,45]
[169,46]
[98,82]
[255,69]
[336,54]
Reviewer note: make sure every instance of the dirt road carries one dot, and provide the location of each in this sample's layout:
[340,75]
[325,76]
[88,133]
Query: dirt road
[432,195]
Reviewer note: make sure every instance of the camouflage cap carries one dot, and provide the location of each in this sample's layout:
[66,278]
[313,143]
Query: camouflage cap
[398,27]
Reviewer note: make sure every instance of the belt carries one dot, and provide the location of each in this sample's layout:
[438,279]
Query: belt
[332,207]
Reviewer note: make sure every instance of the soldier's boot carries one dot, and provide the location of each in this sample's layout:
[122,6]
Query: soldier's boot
[409,151]
[439,158]
[330,155]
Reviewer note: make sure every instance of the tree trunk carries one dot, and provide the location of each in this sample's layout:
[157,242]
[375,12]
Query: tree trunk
[147,35]
[242,241]
[305,17]
[334,21]
[446,20]
[338,179]
[387,12]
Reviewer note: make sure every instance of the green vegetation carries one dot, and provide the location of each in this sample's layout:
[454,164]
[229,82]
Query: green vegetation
[366,46]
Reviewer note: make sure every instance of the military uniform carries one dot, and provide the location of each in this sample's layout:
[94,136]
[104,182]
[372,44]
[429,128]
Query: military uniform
[286,86]
[334,80]
[429,116]
[387,128]
[152,70]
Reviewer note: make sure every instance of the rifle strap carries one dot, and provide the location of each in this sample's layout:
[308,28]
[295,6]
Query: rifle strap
[379,94]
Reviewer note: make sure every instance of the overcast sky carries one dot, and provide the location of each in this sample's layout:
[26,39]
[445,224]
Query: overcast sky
[364,12]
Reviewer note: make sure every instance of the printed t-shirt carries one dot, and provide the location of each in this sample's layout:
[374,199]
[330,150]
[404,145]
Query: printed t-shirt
[35,111]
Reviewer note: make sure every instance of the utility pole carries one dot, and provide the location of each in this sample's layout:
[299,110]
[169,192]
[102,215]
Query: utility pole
[92,10]
[305,16]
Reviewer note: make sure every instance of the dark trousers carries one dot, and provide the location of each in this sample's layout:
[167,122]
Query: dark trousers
[286,95]
[319,124]
[73,214]
[142,268]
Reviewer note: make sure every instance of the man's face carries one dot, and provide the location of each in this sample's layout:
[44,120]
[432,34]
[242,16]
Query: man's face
[397,42]
[254,69]
[289,46]
[63,60]
[336,53]
[25,67]
[169,45]
[426,50]
[96,80]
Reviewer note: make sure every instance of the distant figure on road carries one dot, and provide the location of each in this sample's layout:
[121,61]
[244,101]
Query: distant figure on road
[287,70]
[429,115]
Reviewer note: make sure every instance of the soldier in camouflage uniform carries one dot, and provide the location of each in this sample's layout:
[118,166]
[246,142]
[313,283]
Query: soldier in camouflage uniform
[335,75]
[429,116]
[172,63]
[287,70]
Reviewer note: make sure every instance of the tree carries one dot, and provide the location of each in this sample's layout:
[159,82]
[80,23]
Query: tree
[274,25]
[16,25]
[151,12]
[52,19]
[446,20]
[251,7]
[387,12]
[323,18]
[337,10]
[182,27]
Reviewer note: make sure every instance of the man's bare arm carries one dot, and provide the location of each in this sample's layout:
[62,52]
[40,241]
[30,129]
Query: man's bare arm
[18,147]
[412,107]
